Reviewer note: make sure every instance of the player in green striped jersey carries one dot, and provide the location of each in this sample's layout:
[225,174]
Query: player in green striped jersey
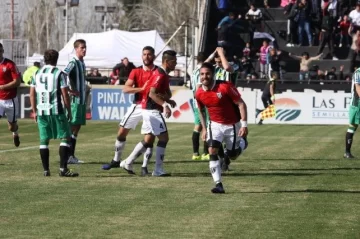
[195,83]
[48,88]
[354,113]
[225,70]
[76,77]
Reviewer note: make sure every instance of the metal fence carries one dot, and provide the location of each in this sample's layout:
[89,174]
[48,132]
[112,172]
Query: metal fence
[16,50]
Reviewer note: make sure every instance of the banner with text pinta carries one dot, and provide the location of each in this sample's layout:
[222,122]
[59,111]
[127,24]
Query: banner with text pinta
[112,104]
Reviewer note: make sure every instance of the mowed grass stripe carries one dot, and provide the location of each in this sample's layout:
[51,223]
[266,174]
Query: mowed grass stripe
[290,183]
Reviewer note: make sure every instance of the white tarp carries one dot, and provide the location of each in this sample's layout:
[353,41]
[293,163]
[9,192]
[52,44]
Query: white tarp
[106,49]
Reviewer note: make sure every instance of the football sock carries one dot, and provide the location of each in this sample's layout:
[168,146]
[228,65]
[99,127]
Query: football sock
[215,169]
[206,147]
[349,138]
[64,151]
[72,144]
[138,150]
[44,155]
[221,151]
[15,132]
[160,153]
[195,142]
[119,147]
[147,156]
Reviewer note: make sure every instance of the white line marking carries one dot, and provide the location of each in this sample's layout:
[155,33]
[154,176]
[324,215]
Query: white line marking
[18,149]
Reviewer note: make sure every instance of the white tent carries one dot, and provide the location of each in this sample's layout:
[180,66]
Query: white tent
[106,49]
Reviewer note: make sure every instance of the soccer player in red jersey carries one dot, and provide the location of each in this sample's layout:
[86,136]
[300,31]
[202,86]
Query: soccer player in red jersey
[135,84]
[155,102]
[228,120]
[9,104]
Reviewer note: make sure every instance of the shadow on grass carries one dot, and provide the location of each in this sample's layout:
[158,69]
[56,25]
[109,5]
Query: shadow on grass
[316,191]
[230,174]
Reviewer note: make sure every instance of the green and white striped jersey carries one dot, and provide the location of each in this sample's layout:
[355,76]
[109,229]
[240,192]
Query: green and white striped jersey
[195,78]
[48,82]
[222,74]
[76,79]
[354,94]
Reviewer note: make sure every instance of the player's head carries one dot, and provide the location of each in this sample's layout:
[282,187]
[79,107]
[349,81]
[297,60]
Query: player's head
[169,60]
[217,60]
[37,64]
[51,57]
[80,48]
[1,50]
[207,72]
[148,56]
[275,75]
[200,57]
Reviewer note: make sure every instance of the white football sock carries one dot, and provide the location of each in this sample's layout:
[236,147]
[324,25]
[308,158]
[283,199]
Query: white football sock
[215,170]
[119,147]
[138,150]
[160,153]
[147,157]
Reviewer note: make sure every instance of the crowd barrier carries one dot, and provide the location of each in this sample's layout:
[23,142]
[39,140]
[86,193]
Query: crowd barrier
[308,107]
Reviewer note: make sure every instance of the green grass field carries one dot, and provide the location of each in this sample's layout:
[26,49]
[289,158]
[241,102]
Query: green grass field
[292,182]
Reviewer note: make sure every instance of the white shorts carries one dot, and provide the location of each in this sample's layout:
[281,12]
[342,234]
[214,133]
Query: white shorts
[153,123]
[224,133]
[132,117]
[10,108]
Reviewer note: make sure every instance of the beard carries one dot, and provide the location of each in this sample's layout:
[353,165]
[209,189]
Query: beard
[148,63]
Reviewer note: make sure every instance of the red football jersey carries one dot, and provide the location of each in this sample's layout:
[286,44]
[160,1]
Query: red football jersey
[8,72]
[219,101]
[159,80]
[140,76]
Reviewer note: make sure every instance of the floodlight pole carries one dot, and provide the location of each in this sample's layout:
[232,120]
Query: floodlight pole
[185,51]
[66,22]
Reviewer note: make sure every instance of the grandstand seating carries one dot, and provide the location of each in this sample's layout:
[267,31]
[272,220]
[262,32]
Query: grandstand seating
[275,21]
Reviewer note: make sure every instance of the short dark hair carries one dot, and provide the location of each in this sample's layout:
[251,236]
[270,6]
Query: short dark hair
[209,66]
[200,57]
[1,45]
[36,63]
[149,48]
[78,42]
[305,54]
[51,57]
[168,55]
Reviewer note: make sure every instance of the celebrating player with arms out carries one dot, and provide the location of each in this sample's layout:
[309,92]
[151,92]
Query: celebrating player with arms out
[226,109]
[9,104]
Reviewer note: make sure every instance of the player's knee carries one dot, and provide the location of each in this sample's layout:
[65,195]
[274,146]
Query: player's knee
[213,157]
[164,137]
[123,132]
[13,127]
[198,128]
[214,144]
[162,144]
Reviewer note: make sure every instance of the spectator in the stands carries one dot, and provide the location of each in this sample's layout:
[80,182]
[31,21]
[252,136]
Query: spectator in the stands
[223,6]
[122,71]
[303,19]
[247,50]
[332,75]
[247,69]
[227,20]
[326,36]
[274,62]
[344,26]
[255,16]
[291,10]
[305,61]
[94,73]
[355,17]
[264,66]
[316,17]
[332,7]
[355,48]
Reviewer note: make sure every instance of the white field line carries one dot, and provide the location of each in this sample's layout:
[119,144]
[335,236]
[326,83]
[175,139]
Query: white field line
[18,149]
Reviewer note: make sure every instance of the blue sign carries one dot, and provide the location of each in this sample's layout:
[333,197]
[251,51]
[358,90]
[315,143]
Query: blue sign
[110,104]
